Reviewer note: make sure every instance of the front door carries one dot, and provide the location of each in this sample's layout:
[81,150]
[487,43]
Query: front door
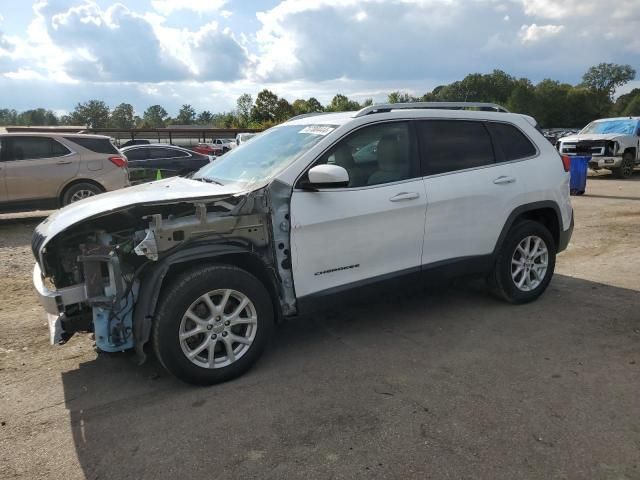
[371,229]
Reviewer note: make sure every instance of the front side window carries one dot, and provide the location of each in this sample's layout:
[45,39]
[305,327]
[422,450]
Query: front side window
[265,156]
[374,155]
[136,154]
[452,145]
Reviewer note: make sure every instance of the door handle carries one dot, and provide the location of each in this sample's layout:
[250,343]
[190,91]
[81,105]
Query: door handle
[63,162]
[504,180]
[404,196]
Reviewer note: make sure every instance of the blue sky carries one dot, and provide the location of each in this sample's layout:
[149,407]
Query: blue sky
[56,53]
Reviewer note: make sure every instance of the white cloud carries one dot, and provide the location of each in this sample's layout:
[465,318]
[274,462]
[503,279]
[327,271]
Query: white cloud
[167,7]
[535,33]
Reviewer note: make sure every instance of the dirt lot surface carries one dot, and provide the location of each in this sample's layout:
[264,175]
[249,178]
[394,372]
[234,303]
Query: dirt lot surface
[449,383]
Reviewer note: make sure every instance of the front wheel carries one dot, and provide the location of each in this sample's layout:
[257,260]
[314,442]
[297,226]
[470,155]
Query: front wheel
[212,324]
[626,167]
[525,264]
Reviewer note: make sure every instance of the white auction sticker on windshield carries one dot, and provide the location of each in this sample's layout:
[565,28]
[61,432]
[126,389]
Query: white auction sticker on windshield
[317,129]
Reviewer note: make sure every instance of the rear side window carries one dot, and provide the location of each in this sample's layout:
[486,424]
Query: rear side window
[513,143]
[451,145]
[97,145]
[32,148]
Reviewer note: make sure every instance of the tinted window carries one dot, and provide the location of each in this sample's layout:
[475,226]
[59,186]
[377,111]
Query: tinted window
[97,145]
[511,141]
[450,145]
[374,155]
[31,148]
[136,154]
[160,152]
[58,150]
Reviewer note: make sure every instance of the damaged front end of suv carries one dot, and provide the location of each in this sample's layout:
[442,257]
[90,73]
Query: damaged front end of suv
[101,264]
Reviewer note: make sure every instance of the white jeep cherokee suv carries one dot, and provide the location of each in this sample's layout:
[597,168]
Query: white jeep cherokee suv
[612,143]
[201,268]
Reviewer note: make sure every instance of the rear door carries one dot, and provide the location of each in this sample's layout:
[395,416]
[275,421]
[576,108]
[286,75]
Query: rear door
[36,167]
[471,186]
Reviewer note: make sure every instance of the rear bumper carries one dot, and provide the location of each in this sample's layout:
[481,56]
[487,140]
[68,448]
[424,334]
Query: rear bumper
[565,236]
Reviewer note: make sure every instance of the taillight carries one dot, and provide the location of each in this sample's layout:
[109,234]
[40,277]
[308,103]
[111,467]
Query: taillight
[566,162]
[119,161]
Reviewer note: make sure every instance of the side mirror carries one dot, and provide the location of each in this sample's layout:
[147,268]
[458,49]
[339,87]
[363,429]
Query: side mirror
[328,176]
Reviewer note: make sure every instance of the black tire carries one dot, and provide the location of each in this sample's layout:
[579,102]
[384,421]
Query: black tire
[180,294]
[626,167]
[71,194]
[501,281]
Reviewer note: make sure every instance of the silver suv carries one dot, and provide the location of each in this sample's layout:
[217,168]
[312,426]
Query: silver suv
[50,170]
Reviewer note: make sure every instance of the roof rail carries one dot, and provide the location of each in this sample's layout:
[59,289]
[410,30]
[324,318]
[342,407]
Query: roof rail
[305,115]
[387,107]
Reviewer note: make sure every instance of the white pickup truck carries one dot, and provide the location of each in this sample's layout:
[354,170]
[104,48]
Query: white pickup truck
[612,143]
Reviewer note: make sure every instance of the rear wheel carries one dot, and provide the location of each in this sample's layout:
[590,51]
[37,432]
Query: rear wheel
[212,324]
[626,167]
[80,191]
[525,264]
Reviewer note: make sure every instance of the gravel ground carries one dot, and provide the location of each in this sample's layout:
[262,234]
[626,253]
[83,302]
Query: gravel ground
[448,383]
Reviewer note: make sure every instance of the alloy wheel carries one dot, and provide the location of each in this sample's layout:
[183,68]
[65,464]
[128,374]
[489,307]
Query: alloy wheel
[218,328]
[529,263]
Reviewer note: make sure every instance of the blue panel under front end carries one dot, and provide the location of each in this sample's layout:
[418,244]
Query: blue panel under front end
[114,330]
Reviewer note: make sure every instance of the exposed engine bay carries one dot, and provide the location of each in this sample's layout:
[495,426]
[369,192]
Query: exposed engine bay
[98,269]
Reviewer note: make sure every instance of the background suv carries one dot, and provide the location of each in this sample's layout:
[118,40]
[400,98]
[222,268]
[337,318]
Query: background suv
[316,209]
[45,171]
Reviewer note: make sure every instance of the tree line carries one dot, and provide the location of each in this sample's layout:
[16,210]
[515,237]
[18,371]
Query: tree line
[552,103]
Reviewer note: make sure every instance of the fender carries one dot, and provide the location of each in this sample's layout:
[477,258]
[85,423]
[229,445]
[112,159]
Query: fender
[528,207]
[153,278]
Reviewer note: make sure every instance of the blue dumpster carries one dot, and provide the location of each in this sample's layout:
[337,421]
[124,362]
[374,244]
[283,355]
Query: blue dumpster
[578,172]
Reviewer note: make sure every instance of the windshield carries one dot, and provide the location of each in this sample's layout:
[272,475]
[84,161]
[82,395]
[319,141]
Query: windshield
[625,127]
[264,156]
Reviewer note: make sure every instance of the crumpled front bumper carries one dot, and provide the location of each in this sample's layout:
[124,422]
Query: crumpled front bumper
[54,301]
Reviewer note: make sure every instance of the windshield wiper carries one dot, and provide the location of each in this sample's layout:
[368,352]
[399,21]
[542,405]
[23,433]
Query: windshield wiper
[209,180]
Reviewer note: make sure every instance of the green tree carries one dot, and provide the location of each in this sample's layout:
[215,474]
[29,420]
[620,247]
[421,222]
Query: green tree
[400,97]
[367,102]
[205,118]
[93,114]
[264,110]
[300,106]
[624,100]
[313,105]
[37,117]
[154,117]
[283,111]
[186,115]
[522,98]
[340,103]
[606,77]
[633,108]
[243,109]
[123,116]
[8,116]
